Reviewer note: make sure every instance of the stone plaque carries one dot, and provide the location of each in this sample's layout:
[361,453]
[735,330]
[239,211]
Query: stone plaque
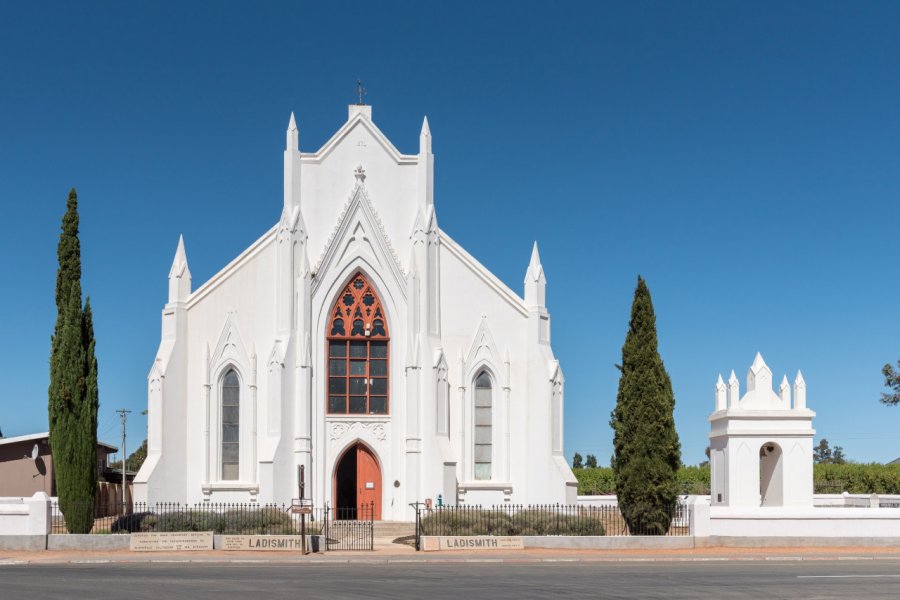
[480,542]
[264,543]
[169,541]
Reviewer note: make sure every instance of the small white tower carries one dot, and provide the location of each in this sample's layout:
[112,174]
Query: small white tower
[760,446]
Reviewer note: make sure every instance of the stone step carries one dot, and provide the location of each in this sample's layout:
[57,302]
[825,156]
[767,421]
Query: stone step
[393,529]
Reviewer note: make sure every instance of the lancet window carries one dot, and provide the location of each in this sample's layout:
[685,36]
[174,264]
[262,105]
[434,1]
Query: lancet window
[231,427]
[483,425]
[358,357]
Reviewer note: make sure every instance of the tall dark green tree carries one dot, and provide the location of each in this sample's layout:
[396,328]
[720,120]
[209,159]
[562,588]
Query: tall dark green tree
[646,450]
[73,393]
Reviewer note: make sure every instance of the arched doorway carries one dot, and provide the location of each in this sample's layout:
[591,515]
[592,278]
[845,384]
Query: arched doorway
[771,475]
[357,484]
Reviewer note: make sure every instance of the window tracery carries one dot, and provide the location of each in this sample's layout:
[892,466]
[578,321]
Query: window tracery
[358,361]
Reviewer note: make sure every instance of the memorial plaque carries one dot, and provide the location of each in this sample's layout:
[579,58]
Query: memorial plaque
[263,543]
[480,542]
[172,541]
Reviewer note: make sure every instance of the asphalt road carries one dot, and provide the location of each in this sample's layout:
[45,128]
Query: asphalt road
[846,580]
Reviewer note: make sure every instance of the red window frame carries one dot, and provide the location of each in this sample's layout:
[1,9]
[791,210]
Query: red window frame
[358,358]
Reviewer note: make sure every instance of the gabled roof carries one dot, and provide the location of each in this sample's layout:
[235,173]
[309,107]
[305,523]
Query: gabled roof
[359,119]
[34,437]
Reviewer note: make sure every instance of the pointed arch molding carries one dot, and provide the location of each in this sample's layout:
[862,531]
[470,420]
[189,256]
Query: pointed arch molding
[482,353]
[360,233]
[229,349]
[230,353]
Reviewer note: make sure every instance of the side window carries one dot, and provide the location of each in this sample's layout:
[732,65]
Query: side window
[231,408]
[483,431]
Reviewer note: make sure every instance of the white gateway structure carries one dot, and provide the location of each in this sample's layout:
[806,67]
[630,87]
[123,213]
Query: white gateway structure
[357,339]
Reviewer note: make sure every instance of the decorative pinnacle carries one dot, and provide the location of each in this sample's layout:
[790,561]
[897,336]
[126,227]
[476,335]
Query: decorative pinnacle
[720,384]
[535,269]
[293,138]
[425,138]
[758,362]
[360,174]
[180,260]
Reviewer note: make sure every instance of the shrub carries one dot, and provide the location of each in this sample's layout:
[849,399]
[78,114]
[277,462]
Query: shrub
[532,521]
[872,478]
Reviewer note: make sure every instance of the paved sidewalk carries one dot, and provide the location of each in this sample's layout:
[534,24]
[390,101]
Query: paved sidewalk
[404,554]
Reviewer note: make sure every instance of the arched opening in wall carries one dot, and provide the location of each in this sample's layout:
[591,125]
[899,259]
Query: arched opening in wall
[357,484]
[771,475]
[358,352]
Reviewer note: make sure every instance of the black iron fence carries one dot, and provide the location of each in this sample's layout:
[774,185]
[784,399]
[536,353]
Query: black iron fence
[221,518]
[552,519]
[351,528]
[343,528]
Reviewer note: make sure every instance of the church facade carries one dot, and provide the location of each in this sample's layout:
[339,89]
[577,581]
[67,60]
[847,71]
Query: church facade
[357,339]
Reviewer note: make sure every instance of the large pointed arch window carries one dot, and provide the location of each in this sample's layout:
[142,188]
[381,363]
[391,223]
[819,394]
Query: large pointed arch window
[358,341]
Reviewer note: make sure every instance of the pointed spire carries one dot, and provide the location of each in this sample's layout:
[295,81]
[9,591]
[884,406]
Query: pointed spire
[758,362]
[799,391]
[734,390]
[179,275]
[535,269]
[293,138]
[721,390]
[425,138]
[535,281]
[759,377]
[292,169]
[784,391]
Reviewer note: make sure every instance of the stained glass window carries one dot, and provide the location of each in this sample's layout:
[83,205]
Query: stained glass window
[358,365]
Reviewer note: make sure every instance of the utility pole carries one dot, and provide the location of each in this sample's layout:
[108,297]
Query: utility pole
[124,415]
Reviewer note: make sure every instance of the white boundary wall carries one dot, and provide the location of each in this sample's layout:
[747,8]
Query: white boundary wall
[25,516]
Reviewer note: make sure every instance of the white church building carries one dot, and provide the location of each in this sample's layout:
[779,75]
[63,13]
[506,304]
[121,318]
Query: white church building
[357,339]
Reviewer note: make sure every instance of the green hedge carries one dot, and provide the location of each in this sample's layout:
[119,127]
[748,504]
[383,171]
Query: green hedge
[467,521]
[598,481]
[872,478]
[264,521]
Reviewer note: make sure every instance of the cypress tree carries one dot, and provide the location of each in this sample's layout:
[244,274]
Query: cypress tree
[73,394]
[646,449]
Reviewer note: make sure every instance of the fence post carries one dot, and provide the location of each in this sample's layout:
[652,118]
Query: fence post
[39,520]
[325,529]
[698,517]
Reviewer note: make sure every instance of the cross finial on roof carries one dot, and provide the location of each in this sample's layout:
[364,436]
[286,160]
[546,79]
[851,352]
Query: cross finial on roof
[360,91]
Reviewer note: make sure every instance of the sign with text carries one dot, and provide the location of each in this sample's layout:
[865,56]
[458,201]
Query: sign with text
[480,542]
[263,543]
[172,541]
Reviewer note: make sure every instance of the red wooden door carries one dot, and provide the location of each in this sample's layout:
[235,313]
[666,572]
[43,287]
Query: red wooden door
[368,483]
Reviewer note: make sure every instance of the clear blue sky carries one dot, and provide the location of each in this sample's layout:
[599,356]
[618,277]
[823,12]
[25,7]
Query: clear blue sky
[743,157]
